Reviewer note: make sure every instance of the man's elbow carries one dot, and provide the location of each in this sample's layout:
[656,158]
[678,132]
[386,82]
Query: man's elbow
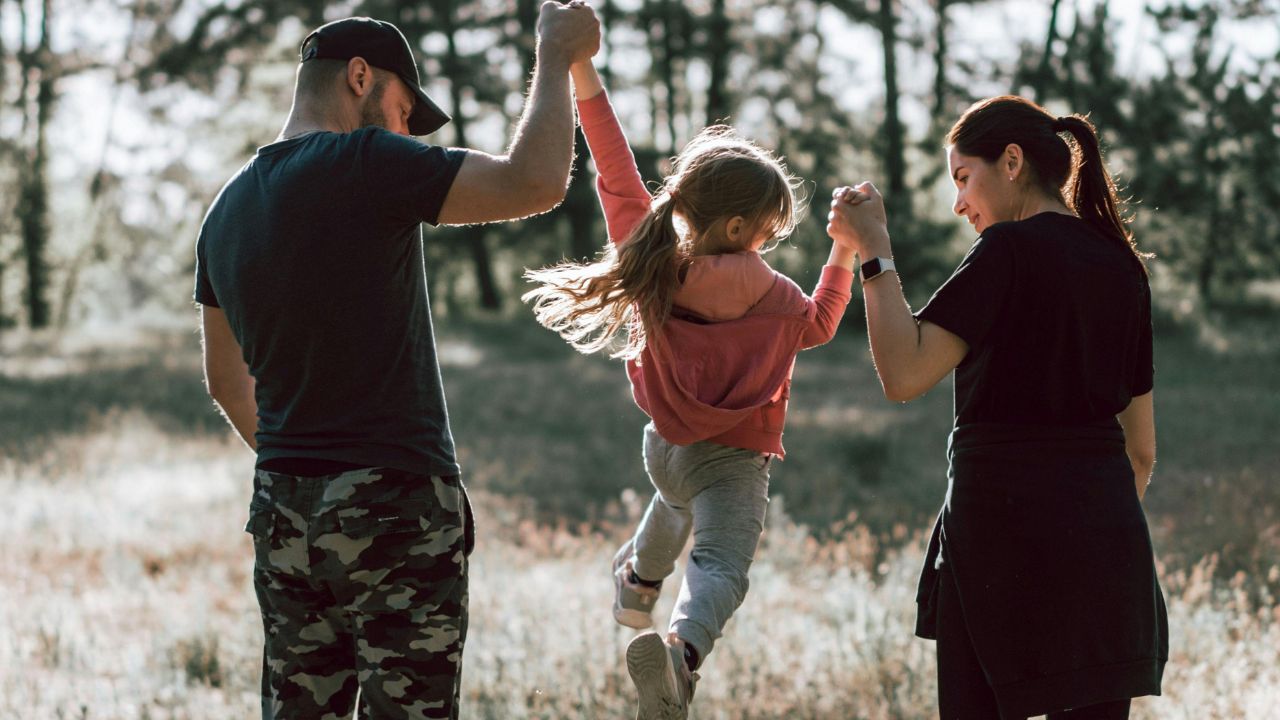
[545,193]
[224,390]
[216,388]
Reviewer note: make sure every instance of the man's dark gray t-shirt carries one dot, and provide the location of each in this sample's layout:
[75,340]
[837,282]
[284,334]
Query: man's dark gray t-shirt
[314,252]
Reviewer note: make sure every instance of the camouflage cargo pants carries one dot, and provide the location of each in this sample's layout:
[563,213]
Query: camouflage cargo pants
[362,582]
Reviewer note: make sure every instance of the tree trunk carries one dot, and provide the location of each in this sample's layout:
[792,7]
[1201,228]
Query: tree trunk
[4,68]
[313,14]
[527,16]
[940,110]
[669,54]
[897,200]
[1211,165]
[718,48]
[5,150]
[1209,255]
[482,261]
[662,35]
[1042,72]
[580,206]
[33,211]
[608,18]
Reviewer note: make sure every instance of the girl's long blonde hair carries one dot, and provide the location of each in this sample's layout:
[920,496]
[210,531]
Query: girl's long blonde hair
[717,176]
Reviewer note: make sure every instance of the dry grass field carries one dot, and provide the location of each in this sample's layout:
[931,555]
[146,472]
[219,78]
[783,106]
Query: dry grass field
[124,573]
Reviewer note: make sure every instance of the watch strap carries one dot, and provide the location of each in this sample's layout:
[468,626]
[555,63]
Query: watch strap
[876,267]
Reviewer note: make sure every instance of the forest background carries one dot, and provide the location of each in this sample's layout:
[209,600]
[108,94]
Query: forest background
[123,574]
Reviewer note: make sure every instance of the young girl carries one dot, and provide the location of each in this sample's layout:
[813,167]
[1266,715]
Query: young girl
[712,334]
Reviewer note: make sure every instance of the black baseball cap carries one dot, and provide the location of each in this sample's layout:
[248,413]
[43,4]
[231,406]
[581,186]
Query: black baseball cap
[382,45]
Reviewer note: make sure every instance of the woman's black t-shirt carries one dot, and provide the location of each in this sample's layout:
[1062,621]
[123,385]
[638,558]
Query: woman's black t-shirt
[1058,321]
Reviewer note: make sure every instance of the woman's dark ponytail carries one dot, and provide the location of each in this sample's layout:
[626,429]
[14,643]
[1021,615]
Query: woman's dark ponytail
[1090,190]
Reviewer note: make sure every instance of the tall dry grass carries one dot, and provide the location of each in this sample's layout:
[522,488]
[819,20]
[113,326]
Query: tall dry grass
[127,594]
[124,575]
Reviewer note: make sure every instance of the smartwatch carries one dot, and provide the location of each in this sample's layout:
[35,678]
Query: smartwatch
[875,267]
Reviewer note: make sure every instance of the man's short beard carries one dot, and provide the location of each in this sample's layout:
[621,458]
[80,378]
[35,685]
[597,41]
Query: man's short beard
[371,113]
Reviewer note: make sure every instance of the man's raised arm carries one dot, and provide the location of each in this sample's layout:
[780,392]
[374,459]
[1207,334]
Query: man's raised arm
[531,178]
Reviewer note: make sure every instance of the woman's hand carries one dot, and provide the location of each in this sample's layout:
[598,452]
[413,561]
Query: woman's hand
[857,220]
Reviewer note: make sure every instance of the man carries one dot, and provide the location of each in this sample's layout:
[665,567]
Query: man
[319,350]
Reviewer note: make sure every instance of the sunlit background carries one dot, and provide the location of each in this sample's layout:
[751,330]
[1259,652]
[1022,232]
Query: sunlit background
[123,572]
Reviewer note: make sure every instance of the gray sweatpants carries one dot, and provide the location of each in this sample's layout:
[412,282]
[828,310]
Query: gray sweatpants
[719,493]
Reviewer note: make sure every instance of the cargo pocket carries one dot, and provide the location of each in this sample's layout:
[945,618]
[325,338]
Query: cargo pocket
[262,526]
[469,525]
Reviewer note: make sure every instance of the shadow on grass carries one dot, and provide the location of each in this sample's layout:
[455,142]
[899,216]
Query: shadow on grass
[533,418]
[35,410]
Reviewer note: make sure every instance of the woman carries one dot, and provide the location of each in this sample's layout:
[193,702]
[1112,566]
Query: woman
[1039,585]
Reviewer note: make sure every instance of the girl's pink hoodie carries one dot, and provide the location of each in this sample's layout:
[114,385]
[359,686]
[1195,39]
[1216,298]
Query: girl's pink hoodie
[720,368]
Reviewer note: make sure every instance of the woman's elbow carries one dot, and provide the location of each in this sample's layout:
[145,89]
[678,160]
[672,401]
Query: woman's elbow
[895,390]
[1142,457]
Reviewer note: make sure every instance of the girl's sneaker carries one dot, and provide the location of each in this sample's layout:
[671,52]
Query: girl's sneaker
[663,681]
[632,601]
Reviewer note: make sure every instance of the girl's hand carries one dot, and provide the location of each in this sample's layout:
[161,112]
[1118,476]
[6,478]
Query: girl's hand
[586,81]
[857,220]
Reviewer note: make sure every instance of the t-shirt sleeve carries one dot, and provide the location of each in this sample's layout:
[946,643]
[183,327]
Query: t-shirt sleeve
[406,177]
[972,299]
[1144,372]
[204,289]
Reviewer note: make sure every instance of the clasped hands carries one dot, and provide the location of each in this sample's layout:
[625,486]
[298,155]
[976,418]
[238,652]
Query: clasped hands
[857,220]
[571,30]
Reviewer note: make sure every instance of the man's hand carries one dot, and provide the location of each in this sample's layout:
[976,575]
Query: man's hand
[570,32]
[531,178]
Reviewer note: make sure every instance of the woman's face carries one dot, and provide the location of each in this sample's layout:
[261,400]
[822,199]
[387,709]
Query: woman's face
[983,192]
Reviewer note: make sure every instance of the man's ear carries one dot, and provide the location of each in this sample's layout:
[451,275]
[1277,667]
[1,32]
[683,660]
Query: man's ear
[359,76]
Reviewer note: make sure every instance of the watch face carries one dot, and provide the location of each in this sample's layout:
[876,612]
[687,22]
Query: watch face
[871,268]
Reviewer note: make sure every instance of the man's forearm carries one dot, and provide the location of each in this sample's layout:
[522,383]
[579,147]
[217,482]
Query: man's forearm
[241,411]
[542,146]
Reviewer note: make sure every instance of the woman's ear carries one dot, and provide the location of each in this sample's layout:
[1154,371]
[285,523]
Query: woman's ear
[1012,161]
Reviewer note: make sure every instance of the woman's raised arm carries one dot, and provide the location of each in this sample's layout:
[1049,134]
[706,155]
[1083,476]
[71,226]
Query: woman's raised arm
[910,356]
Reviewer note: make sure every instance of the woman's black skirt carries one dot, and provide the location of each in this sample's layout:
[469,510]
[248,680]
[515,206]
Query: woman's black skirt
[1044,534]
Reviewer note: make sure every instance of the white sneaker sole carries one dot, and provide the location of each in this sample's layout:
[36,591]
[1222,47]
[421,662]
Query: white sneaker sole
[633,618]
[630,617]
[649,663]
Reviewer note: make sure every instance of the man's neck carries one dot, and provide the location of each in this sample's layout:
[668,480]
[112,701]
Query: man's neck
[303,120]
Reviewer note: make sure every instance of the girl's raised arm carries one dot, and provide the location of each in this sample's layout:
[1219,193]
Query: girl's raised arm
[618,183]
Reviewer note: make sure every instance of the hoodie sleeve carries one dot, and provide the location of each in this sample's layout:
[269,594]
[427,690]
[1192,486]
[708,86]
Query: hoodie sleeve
[822,312]
[830,298]
[618,183]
